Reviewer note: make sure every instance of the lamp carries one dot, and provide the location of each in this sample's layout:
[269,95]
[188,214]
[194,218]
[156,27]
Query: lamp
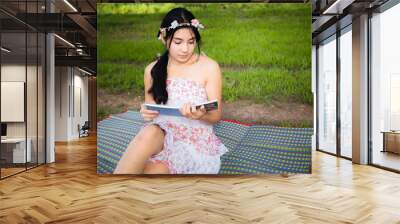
[5,49]
[337,7]
[71,6]
[84,71]
[64,40]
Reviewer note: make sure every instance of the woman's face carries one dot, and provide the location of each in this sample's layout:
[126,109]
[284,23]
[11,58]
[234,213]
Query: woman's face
[182,45]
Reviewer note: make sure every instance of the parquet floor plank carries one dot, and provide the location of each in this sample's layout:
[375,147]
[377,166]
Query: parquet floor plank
[70,191]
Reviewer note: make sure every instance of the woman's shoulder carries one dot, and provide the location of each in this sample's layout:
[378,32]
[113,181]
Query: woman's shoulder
[147,70]
[150,66]
[208,63]
[210,69]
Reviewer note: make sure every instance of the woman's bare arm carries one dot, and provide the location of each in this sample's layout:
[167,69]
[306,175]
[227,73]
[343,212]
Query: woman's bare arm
[148,115]
[148,98]
[214,91]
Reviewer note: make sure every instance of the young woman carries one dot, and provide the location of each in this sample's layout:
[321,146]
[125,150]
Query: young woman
[182,78]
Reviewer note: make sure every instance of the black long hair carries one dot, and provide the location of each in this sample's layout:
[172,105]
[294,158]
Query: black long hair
[159,70]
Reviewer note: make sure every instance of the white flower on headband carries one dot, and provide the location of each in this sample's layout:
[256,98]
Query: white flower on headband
[163,33]
[196,24]
[174,24]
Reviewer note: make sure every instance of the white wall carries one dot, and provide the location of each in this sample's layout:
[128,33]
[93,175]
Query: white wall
[80,101]
[61,103]
[15,72]
[34,124]
[13,100]
[70,84]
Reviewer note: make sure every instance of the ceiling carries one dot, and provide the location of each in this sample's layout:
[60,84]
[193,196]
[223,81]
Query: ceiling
[74,22]
[328,16]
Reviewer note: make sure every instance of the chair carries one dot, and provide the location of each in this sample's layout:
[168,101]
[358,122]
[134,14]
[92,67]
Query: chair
[84,130]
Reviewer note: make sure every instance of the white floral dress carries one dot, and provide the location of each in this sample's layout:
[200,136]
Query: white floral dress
[190,146]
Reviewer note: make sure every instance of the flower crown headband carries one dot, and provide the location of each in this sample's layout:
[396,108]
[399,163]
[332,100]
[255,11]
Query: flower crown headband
[194,23]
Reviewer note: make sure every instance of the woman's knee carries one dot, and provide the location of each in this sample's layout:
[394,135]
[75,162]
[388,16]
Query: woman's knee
[147,142]
[150,133]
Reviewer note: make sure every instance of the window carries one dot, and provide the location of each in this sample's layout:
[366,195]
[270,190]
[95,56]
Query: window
[327,95]
[346,92]
[22,66]
[385,88]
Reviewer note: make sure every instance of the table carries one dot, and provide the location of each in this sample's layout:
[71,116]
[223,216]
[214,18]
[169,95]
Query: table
[391,141]
[17,150]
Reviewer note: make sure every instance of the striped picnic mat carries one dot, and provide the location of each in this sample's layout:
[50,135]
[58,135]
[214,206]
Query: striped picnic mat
[253,149]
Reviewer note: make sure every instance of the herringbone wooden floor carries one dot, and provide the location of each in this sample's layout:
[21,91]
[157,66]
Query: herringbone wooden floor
[70,191]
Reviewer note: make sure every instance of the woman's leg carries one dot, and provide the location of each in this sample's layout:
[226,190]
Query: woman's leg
[147,142]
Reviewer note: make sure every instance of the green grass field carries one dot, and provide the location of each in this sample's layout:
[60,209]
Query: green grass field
[264,50]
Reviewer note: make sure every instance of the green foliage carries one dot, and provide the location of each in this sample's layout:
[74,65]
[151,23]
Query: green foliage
[119,78]
[264,50]
[264,85]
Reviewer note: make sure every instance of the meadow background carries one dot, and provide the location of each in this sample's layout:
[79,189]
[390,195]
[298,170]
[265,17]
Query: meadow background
[264,51]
